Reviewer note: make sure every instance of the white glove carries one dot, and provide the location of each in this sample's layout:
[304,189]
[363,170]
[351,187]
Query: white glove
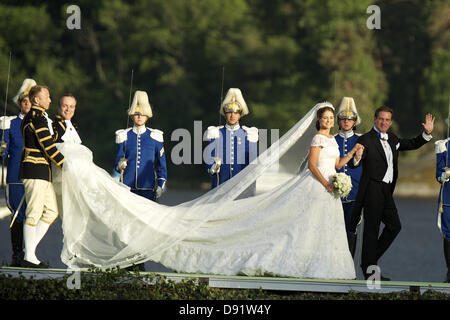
[123,164]
[445,175]
[3,147]
[158,192]
[215,168]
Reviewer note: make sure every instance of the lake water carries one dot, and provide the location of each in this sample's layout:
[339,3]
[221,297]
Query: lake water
[415,255]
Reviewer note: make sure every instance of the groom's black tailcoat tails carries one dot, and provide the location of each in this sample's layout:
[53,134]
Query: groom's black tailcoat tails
[375,196]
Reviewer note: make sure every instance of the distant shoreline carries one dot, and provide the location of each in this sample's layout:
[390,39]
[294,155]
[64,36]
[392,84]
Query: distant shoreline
[416,190]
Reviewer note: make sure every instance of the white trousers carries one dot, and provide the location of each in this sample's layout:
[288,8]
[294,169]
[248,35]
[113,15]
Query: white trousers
[41,201]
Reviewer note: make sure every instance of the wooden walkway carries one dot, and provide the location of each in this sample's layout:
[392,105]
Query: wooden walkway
[266,283]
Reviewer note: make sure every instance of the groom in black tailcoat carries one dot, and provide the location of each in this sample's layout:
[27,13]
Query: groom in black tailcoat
[380,172]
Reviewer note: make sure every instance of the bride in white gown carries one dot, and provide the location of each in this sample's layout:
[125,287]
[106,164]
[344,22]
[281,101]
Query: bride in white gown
[296,229]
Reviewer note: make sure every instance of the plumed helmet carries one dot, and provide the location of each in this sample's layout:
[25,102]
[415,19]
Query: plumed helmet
[234,102]
[27,84]
[347,110]
[140,105]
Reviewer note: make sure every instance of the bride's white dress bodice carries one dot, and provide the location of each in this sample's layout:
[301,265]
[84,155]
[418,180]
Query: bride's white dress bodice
[328,154]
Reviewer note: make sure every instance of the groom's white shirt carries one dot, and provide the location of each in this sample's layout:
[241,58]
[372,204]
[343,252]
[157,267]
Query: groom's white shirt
[389,175]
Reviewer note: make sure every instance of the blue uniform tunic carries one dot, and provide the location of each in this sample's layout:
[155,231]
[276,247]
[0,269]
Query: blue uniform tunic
[237,147]
[442,159]
[346,142]
[146,160]
[15,190]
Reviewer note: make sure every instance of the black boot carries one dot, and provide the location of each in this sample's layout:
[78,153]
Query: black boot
[447,258]
[17,243]
[351,238]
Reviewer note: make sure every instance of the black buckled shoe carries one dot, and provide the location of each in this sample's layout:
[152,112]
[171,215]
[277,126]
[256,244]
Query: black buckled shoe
[43,265]
[28,264]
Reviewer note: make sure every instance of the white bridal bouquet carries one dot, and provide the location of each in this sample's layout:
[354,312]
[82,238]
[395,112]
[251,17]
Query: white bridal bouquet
[342,183]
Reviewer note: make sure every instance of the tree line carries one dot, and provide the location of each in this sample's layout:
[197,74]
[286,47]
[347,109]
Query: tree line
[285,56]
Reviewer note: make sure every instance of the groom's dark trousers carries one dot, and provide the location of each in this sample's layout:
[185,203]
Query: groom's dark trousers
[375,196]
[379,207]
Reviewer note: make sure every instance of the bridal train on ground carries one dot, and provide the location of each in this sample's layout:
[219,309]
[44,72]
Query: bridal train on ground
[294,230]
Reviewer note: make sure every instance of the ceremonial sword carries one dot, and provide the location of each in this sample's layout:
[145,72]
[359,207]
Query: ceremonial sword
[4,119]
[220,106]
[221,92]
[17,211]
[448,129]
[128,120]
[441,209]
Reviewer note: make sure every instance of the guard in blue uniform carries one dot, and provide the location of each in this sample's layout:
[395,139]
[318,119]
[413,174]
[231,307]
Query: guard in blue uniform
[11,150]
[348,119]
[232,147]
[443,177]
[140,157]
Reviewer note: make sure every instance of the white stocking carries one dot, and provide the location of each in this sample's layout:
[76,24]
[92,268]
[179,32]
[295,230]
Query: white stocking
[30,244]
[41,230]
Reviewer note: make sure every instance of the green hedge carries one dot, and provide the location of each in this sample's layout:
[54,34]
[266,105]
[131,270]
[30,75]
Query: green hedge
[122,285]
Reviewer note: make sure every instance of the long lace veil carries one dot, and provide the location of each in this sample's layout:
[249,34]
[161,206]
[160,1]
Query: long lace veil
[105,225]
